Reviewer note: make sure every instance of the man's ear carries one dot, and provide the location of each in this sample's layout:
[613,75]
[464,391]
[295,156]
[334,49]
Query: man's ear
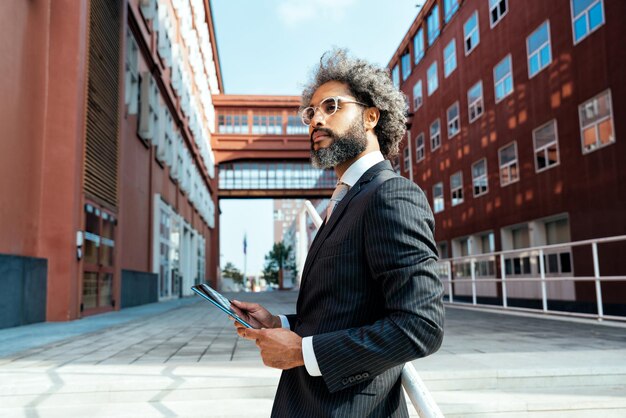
[371,117]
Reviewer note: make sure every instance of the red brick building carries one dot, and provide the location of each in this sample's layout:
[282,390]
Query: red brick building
[517,137]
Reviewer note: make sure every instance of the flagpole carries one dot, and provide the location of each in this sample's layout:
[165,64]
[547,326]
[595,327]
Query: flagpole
[245,260]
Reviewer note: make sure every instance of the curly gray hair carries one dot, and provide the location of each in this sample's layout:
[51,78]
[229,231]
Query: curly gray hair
[369,84]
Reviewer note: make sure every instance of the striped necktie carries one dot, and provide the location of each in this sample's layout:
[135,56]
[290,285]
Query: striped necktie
[340,192]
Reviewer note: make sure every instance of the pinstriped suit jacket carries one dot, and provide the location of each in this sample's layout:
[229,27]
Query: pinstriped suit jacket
[370,298]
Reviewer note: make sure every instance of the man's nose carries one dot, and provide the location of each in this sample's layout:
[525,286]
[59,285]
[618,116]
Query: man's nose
[318,118]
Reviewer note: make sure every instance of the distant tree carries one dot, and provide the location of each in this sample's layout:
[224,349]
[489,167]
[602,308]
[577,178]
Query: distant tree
[232,272]
[277,261]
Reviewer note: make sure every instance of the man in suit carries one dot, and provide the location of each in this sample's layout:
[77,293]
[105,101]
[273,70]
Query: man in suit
[370,299]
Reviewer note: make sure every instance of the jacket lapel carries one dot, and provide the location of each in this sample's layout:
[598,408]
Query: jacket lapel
[326,228]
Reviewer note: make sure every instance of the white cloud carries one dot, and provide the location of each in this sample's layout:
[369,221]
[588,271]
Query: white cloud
[293,12]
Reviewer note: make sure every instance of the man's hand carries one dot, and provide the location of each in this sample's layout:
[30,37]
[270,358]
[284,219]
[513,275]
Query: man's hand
[255,315]
[280,348]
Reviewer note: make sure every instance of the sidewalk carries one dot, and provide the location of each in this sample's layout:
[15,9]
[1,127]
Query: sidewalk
[183,358]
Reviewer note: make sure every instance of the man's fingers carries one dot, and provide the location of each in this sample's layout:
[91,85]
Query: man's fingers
[246,306]
[250,333]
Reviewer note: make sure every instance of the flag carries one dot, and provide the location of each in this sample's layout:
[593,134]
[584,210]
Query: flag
[245,243]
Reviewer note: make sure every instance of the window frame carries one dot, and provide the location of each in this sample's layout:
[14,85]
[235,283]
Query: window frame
[395,75]
[586,12]
[437,31]
[438,120]
[509,164]
[496,82]
[452,57]
[457,189]
[448,14]
[596,123]
[470,104]
[407,63]
[466,36]
[538,51]
[435,198]
[407,158]
[419,148]
[417,53]
[545,147]
[416,106]
[494,24]
[434,64]
[486,176]
[457,119]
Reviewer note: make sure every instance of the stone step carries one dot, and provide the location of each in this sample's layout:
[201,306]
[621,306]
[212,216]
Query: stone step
[578,401]
[523,378]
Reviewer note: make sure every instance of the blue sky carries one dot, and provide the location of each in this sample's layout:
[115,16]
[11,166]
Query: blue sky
[270,47]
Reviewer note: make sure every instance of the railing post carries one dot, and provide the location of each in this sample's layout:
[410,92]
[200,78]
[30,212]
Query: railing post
[472,264]
[503,272]
[596,272]
[542,272]
[450,280]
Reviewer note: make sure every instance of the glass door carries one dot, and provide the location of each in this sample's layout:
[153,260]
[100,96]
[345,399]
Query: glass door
[98,261]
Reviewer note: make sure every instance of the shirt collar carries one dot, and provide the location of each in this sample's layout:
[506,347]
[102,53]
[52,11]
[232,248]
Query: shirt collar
[360,166]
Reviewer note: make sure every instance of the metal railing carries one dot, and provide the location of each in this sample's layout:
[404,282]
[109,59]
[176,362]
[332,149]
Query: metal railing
[453,272]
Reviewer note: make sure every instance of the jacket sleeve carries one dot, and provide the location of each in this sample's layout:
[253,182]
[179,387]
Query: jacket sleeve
[401,256]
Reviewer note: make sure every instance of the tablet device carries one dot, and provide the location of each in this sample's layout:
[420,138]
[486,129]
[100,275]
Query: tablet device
[210,294]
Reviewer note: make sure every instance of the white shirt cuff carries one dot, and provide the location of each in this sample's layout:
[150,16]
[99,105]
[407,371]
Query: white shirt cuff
[310,362]
[284,321]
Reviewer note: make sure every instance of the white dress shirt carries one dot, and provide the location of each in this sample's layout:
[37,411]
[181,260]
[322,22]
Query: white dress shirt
[350,177]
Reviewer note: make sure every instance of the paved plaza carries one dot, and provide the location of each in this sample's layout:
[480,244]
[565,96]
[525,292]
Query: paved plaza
[183,358]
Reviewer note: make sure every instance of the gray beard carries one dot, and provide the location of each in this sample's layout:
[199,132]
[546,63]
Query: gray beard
[342,149]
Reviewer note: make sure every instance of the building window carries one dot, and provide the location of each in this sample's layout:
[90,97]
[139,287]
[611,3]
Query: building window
[449,58]
[587,16]
[418,95]
[538,49]
[475,101]
[435,135]
[456,188]
[236,123]
[471,33]
[519,238]
[266,124]
[433,79]
[418,45]
[420,147]
[438,203]
[295,126]
[596,122]
[449,9]
[453,120]
[479,178]
[407,158]
[497,10]
[395,76]
[406,65]
[503,78]
[546,146]
[557,260]
[432,22]
[509,169]
[131,85]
